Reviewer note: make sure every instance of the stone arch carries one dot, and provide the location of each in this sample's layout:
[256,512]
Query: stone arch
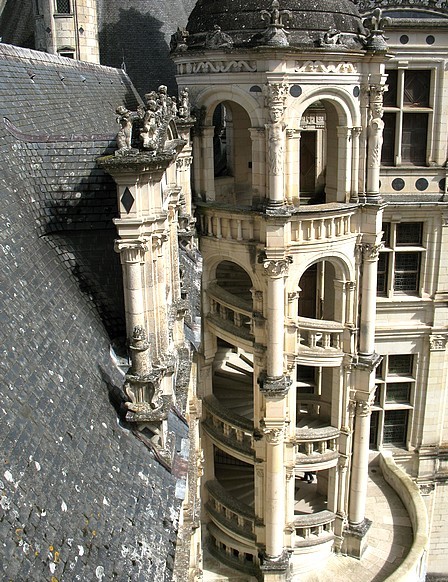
[326,150]
[209,98]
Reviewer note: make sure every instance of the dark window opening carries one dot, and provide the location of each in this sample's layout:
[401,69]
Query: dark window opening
[63,6]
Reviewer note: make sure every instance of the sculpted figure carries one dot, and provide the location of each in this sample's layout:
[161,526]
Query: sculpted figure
[184,103]
[376,127]
[150,124]
[218,39]
[124,136]
[275,136]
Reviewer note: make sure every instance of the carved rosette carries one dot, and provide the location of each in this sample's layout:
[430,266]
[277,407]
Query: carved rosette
[437,343]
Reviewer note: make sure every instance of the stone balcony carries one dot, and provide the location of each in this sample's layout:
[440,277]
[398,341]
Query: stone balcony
[316,446]
[317,342]
[310,225]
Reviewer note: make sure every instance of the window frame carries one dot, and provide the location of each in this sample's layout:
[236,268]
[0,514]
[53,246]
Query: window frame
[65,12]
[402,112]
[387,277]
[383,405]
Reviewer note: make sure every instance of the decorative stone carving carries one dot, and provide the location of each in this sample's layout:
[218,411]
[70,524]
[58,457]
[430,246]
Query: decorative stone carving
[276,94]
[363,408]
[274,387]
[184,110]
[274,436]
[217,39]
[124,137]
[178,41]
[133,251]
[217,67]
[370,252]
[330,38]
[275,564]
[275,35]
[277,268]
[437,343]
[376,40]
[427,488]
[376,125]
[320,67]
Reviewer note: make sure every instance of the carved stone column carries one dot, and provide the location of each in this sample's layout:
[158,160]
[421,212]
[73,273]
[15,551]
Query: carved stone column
[293,167]
[208,165]
[375,141]
[275,490]
[370,253]
[276,270]
[257,135]
[356,132]
[275,145]
[132,255]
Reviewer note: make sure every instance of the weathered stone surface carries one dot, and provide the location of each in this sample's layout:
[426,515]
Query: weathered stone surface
[81,498]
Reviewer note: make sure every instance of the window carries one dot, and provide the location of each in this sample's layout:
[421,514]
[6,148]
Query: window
[395,387]
[63,7]
[407,109]
[400,261]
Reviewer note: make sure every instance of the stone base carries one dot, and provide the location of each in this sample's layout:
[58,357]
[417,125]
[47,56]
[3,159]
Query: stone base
[355,539]
[275,569]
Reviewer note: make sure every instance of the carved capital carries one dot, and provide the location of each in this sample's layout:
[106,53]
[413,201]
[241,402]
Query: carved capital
[363,408]
[274,387]
[276,269]
[370,251]
[437,343]
[132,251]
[276,94]
[274,436]
[427,488]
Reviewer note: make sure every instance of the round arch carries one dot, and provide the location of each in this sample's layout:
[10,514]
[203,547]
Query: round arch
[344,269]
[349,114]
[212,96]
[213,261]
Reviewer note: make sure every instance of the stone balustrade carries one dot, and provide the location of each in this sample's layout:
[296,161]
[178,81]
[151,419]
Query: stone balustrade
[316,448]
[306,228]
[313,529]
[334,223]
[229,429]
[230,312]
[229,513]
[315,341]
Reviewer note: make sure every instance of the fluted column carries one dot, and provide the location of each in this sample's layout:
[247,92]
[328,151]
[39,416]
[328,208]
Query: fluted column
[356,132]
[132,255]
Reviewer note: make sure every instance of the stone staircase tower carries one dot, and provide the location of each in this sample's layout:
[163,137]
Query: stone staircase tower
[67,28]
[286,155]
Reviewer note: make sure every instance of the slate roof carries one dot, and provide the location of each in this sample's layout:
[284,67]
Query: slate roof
[81,498]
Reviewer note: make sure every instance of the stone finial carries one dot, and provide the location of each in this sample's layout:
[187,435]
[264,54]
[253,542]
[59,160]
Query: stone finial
[275,35]
[217,39]
[376,41]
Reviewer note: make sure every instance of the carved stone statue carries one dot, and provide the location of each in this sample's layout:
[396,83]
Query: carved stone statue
[184,103]
[124,137]
[178,41]
[218,39]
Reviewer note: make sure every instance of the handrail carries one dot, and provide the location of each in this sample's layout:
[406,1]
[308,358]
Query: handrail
[413,566]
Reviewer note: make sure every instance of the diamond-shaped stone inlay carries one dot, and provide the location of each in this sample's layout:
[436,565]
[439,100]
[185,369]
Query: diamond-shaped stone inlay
[127,200]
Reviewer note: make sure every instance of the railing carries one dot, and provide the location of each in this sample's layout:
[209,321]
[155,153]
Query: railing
[334,222]
[413,567]
[309,229]
[313,529]
[316,446]
[319,334]
[230,429]
[223,224]
[230,312]
[232,514]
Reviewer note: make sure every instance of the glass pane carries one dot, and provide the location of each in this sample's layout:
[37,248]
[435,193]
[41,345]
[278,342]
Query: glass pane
[401,364]
[398,392]
[63,6]
[390,96]
[373,441]
[413,147]
[409,233]
[381,282]
[416,88]
[406,271]
[388,151]
[395,427]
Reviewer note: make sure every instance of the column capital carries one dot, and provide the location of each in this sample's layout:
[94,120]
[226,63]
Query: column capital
[371,251]
[274,387]
[274,436]
[437,342]
[276,268]
[132,251]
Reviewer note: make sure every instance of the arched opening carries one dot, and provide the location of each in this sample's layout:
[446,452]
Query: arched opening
[317,292]
[234,279]
[324,175]
[232,154]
